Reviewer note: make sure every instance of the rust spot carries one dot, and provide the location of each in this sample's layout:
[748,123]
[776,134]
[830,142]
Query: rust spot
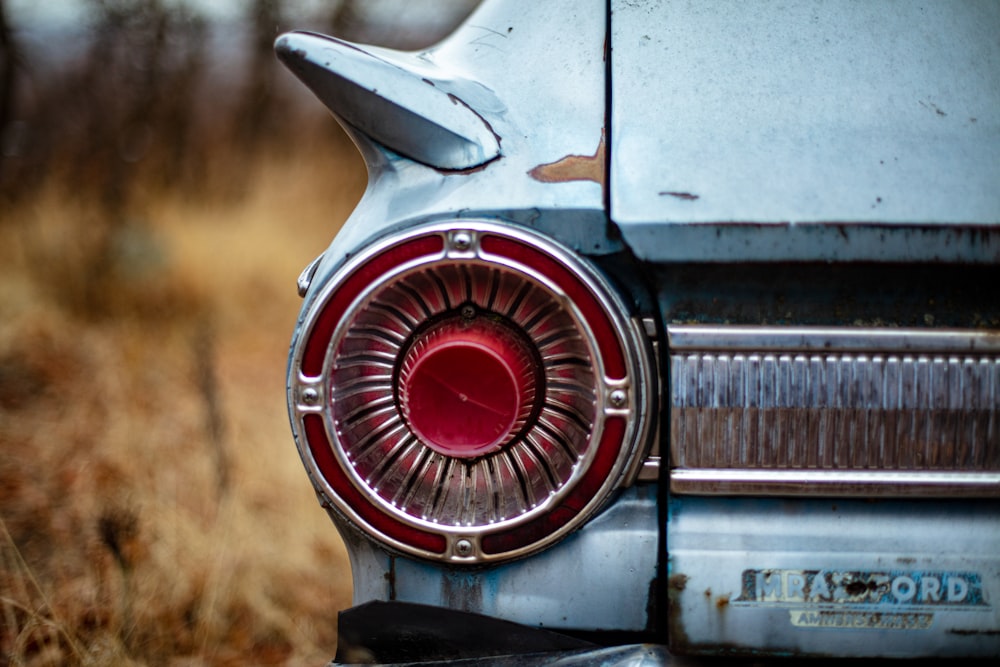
[677,582]
[573,168]
[686,196]
[708,592]
[857,588]
[390,577]
[676,636]
[722,602]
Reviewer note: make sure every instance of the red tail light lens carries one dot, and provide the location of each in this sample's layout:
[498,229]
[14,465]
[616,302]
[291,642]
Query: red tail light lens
[467,395]
[467,386]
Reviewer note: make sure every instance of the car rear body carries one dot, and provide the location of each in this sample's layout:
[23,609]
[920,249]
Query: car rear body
[733,270]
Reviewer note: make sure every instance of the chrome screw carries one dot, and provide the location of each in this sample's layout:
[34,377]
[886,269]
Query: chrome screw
[461,241]
[617,398]
[310,396]
[463,548]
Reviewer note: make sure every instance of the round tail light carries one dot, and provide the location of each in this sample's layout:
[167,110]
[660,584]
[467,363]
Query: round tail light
[467,394]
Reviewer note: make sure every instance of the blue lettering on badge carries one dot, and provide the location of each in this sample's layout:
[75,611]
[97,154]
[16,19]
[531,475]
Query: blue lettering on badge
[894,591]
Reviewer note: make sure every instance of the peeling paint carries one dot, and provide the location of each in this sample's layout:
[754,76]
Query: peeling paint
[574,168]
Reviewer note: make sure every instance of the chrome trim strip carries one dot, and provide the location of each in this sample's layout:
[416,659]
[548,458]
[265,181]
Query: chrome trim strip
[848,339]
[650,470]
[867,483]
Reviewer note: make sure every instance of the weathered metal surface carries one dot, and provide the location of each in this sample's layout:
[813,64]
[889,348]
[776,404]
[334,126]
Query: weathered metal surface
[535,74]
[834,578]
[840,131]
[834,411]
[803,133]
[602,577]
[540,68]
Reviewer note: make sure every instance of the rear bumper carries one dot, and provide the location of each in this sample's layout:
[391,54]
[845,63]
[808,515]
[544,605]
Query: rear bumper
[630,655]
[407,633]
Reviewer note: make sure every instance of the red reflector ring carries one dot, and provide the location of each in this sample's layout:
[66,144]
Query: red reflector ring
[335,475]
[452,399]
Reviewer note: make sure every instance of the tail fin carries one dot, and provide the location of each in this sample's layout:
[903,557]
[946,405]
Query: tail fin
[398,99]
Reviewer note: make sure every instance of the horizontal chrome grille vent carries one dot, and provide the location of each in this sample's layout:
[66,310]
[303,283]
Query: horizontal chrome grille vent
[763,410]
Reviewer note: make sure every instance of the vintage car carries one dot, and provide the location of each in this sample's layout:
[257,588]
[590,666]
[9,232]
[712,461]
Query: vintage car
[663,329]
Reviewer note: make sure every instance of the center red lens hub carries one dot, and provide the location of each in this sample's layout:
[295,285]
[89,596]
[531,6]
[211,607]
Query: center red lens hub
[467,386]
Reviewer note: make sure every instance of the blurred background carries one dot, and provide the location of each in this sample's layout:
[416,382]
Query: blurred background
[162,182]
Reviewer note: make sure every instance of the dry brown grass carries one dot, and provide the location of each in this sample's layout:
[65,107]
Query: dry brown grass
[154,509]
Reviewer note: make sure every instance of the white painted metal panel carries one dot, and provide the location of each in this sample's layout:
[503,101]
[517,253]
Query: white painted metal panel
[803,130]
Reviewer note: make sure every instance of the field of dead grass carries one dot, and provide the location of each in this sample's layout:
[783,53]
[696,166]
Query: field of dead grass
[153,509]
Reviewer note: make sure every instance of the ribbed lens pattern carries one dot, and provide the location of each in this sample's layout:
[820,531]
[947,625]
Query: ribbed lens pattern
[391,460]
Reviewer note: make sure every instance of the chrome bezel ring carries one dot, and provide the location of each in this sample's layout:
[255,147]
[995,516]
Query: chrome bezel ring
[370,469]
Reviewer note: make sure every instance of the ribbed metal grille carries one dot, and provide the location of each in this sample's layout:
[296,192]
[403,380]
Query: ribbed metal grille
[834,410]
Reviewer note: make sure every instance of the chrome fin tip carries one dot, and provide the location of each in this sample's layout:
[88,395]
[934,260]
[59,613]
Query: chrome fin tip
[404,104]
